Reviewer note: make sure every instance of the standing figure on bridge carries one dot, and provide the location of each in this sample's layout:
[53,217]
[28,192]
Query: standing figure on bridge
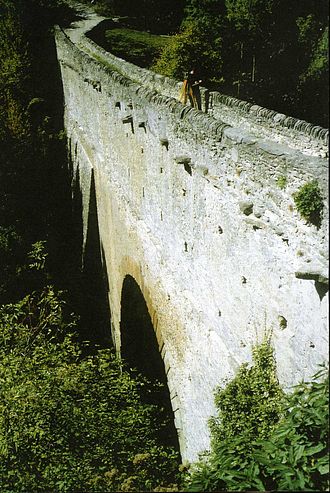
[190,89]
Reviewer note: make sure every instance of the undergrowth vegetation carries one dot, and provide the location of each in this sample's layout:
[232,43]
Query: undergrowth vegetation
[71,418]
[263,439]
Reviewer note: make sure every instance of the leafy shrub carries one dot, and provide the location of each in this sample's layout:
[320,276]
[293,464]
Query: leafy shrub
[296,456]
[309,202]
[248,408]
[71,421]
[280,444]
[250,404]
[191,48]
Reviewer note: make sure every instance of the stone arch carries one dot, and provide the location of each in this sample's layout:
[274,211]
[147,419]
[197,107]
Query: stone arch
[139,344]
[131,268]
[140,349]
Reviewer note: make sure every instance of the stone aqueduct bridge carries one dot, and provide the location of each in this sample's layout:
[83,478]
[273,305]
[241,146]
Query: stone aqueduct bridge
[189,206]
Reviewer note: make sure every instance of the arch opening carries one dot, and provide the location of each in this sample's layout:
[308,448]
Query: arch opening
[140,351]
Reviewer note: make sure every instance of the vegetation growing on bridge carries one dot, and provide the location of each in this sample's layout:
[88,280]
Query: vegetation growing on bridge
[309,202]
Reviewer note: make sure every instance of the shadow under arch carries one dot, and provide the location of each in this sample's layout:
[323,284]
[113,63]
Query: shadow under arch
[96,314]
[139,350]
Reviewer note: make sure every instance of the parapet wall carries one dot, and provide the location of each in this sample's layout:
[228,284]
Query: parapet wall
[190,206]
[230,109]
[151,80]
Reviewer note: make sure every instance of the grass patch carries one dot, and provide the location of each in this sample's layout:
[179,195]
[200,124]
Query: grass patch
[138,47]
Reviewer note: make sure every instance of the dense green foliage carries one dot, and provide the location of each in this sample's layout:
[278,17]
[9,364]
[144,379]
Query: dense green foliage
[296,456]
[71,421]
[250,404]
[193,43]
[309,202]
[265,440]
[248,407]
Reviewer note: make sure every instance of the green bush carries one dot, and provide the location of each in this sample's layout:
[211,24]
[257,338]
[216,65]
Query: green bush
[296,456]
[309,202]
[71,419]
[193,47]
[265,440]
[248,408]
[250,403]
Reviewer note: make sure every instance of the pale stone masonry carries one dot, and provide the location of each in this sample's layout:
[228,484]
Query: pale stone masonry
[189,205]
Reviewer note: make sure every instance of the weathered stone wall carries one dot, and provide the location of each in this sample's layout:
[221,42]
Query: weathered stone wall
[190,207]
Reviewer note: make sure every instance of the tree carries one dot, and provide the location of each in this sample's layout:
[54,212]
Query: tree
[249,15]
[210,10]
[251,19]
[195,46]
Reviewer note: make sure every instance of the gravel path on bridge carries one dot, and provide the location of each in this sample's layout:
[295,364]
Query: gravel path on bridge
[89,19]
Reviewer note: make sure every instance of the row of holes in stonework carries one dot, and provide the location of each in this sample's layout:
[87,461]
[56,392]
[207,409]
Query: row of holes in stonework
[185,160]
[141,124]
[245,207]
